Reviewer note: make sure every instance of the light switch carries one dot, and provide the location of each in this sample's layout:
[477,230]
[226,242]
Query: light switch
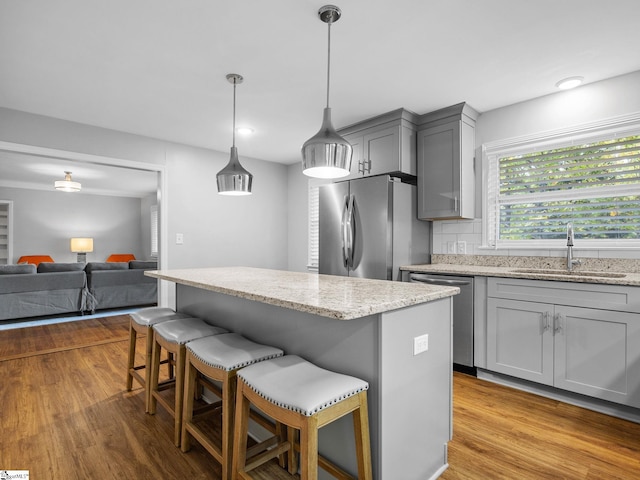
[179,239]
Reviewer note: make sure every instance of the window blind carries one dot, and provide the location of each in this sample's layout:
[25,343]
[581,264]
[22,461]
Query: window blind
[313,227]
[595,185]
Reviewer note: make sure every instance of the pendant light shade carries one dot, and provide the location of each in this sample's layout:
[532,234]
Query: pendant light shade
[327,154]
[67,185]
[233,179]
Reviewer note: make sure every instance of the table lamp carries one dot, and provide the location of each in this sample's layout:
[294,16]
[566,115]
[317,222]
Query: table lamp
[81,246]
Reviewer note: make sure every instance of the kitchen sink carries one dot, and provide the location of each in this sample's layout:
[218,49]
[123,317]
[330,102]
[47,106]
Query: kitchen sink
[573,273]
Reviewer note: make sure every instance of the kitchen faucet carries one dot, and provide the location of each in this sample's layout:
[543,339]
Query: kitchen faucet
[570,260]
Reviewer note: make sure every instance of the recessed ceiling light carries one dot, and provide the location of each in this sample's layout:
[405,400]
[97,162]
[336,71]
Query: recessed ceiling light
[244,130]
[571,82]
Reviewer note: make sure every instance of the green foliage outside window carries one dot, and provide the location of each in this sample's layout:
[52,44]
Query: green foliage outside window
[595,186]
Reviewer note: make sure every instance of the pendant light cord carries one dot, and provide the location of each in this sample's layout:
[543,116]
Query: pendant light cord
[234,112]
[328,59]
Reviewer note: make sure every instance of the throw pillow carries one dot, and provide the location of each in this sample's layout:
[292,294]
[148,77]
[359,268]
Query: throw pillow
[24,268]
[48,267]
[95,266]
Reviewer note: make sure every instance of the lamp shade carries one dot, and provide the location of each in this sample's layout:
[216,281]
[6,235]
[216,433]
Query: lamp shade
[234,179]
[81,245]
[326,154]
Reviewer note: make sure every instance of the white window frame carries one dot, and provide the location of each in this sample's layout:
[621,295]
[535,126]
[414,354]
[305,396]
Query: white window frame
[492,151]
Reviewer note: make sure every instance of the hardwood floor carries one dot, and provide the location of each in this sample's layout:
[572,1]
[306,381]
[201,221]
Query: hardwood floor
[66,414]
[503,433]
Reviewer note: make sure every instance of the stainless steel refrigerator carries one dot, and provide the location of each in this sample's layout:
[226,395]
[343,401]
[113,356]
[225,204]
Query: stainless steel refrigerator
[369,227]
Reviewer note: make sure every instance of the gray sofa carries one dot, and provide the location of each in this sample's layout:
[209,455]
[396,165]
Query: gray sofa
[121,284]
[63,288]
[51,289]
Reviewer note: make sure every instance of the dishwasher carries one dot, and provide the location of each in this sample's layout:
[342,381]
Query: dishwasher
[462,316]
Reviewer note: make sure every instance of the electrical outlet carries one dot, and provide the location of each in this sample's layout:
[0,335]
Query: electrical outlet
[179,239]
[421,344]
[451,247]
[462,246]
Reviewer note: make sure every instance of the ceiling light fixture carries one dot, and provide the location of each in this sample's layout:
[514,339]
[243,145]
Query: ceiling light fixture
[327,154]
[244,130]
[67,185]
[568,83]
[234,179]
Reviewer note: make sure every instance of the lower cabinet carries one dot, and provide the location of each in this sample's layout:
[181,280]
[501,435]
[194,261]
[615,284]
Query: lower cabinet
[589,351]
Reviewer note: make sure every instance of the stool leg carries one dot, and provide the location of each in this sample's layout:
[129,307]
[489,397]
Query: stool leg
[241,430]
[190,380]
[309,449]
[154,375]
[180,367]
[133,335]
[292,459]
[228,405]
[363,446]
[147,366]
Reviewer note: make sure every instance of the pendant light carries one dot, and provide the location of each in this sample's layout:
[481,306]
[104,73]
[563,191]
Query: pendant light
[327,154]
[67,185]
[234,179]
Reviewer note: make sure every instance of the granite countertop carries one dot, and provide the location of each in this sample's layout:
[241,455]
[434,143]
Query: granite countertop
[591,270]
[342,298]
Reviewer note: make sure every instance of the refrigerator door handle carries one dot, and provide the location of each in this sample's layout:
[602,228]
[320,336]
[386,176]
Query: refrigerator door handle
[351,230]
[344,226]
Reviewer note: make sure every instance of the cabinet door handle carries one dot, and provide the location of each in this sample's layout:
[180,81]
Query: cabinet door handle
[558,319]
[455,204]
[546,325]
[364,166]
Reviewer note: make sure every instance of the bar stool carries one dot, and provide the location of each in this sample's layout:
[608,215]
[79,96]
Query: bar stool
[172,336]
[142,322]
[217,358]
[304,397]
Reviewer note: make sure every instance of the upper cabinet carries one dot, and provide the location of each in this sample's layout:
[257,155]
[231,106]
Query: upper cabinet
[383,144]
[445,163]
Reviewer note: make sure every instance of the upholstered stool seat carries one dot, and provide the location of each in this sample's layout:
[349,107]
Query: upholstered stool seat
[172,335]
[218,358]
[141,322]
[304,397]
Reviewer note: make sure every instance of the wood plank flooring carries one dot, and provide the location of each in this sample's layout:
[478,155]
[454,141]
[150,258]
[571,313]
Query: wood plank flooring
[503,433]
[65,414]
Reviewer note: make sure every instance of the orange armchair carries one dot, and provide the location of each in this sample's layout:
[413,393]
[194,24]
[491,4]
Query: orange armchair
[35,259]
[120,257]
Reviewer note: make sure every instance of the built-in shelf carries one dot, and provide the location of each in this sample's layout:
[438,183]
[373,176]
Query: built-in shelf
[6,250]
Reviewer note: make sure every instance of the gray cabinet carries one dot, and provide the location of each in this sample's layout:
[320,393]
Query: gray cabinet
[445,163]
[6,244]
[384,144]
[592,351]
[518,342]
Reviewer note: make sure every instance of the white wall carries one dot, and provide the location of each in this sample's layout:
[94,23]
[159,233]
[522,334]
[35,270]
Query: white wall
[586,104]
[43,223]
[217,230]
[223,230]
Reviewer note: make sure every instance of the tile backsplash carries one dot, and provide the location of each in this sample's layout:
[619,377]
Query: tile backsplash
[464,237]
[457,236]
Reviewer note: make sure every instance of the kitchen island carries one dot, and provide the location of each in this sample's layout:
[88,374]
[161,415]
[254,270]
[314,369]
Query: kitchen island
[360,327]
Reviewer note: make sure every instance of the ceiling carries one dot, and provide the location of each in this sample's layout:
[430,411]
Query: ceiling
[157,67]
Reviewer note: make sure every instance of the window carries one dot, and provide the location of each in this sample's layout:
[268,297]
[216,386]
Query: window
[588,178]
[154,230]
[313,228]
